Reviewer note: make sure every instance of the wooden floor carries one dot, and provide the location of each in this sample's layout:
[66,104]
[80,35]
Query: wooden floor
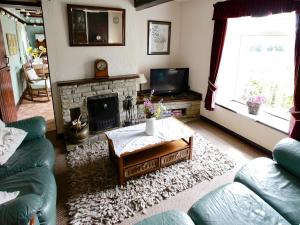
[29,109]
[237,150]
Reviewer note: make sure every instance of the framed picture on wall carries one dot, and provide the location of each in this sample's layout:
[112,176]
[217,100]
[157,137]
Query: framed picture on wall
[12,44]
[159,37]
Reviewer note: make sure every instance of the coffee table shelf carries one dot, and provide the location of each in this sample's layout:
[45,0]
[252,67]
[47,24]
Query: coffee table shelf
[152,153]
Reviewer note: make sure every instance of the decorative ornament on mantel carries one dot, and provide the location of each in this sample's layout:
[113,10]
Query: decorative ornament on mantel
[101,68]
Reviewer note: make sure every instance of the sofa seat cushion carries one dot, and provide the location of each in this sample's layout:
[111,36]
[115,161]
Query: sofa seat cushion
[172,217]
[37,196]
[30,154]
[275,185]
[234,204]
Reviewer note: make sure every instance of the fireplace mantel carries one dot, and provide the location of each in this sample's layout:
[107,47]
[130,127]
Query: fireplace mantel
[96,80]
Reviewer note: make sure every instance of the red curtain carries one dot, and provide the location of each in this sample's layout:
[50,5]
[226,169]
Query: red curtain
[295,128]
[215,59]
[239,8]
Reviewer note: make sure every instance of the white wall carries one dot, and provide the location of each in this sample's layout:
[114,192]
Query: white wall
[165,12]
[68,63]
[191,37]
[195,49]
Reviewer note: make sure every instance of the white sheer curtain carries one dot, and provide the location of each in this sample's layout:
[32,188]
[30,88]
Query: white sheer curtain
[23,42]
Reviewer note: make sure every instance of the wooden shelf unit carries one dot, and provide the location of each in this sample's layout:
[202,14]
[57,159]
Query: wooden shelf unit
[183,97]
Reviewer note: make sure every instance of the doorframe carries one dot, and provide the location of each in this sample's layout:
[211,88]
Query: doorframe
[32,5]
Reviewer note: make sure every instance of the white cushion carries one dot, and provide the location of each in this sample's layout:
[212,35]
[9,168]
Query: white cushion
[40,84]
[32,74]
[7,196]
[10,140]
[2,125]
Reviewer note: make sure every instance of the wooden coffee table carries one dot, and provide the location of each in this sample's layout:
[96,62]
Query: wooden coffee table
[136,153]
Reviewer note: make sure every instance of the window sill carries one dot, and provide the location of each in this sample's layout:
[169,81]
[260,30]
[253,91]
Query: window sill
[263,118]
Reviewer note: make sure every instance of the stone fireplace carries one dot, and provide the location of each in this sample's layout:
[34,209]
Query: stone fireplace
[76,96]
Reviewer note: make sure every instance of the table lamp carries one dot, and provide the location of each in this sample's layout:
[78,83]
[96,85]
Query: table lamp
[142,80]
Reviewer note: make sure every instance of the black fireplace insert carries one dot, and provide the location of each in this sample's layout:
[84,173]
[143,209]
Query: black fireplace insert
[103,112]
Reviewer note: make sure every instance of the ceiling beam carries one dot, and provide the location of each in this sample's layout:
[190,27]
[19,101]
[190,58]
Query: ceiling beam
[144,4]
[21,20]
[21,3]
[32,15]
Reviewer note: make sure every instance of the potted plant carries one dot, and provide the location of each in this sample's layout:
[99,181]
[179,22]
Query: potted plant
[152,112]
[254,104]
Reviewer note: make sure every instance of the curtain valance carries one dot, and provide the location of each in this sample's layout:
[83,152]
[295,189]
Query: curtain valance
[255,8]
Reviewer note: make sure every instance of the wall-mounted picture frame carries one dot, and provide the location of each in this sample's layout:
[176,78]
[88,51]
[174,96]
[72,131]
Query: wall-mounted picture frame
[12,44]
[159,37]
[96,26]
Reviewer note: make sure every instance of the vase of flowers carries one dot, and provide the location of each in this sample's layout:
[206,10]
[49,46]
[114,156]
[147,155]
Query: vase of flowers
[254,104]
[152,112]
[36,53]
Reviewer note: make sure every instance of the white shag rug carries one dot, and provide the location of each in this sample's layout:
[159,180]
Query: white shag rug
[95,197]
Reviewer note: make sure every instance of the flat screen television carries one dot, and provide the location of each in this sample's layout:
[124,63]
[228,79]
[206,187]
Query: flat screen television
[169,81]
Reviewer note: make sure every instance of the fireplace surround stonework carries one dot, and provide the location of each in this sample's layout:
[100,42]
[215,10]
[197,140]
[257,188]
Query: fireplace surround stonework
[74,94]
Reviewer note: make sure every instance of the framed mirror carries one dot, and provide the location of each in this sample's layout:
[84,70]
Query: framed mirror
[96,26]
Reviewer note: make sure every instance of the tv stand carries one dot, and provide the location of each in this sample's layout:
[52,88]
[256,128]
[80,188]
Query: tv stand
[184,106]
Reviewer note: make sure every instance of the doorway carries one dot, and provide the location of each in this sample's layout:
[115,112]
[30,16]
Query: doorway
[26,51]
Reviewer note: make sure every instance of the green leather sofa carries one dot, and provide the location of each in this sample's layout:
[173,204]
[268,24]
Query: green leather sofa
[30,171]
[264,192]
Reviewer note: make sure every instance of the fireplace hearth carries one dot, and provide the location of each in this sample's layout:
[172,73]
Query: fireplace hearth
[103,112]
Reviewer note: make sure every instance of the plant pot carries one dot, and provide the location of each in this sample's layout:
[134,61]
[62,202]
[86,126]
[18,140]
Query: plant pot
[253,108]
[78,136]
[150,126]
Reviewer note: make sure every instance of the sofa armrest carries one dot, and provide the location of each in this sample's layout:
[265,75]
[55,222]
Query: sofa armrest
[35,127]
[287,154]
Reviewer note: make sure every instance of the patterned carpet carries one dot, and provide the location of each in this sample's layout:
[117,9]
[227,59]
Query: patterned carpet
[95,197]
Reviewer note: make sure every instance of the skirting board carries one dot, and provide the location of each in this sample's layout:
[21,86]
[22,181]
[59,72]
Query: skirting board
[243,139]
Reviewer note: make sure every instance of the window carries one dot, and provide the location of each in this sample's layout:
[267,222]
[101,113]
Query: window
[258,59]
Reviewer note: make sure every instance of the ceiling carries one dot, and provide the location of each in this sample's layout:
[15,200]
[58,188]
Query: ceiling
[181,0]
[144,4]
[26,1]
